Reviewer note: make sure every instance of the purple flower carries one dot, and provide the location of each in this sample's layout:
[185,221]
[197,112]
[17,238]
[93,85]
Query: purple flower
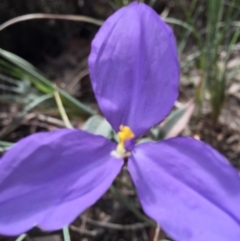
[188,188]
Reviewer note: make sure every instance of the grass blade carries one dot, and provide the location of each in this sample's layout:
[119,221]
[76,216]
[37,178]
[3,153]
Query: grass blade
[20,68]
[35,16]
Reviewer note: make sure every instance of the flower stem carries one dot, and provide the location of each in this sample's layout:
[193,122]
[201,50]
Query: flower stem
[66,234]
[62,110]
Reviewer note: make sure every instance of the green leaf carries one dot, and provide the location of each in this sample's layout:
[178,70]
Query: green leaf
[144,140]
[4,146]
[98,125]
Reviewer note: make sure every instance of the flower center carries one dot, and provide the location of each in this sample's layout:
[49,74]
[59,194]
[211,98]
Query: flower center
[125,134]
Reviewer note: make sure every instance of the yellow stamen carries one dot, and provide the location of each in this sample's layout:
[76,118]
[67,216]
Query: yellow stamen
[124,134]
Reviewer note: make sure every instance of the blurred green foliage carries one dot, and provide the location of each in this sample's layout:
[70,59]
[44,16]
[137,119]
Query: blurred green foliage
[214,27]
[206,30]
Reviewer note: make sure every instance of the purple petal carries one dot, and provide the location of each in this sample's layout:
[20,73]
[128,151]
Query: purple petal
[188,188]
[134,68]
[48,179]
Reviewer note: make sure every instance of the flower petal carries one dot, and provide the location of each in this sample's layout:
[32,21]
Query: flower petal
[47,179]
[188,188]
[134,68]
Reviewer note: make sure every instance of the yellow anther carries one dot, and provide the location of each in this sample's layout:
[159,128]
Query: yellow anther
[124,134]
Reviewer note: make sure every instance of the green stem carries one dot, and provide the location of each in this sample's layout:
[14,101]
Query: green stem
[66,234]
[62,110]
[21,237]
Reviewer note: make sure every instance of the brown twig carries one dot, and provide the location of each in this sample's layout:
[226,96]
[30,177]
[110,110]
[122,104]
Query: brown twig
[115,226]
[91,233]
[72,84]
[50,120]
